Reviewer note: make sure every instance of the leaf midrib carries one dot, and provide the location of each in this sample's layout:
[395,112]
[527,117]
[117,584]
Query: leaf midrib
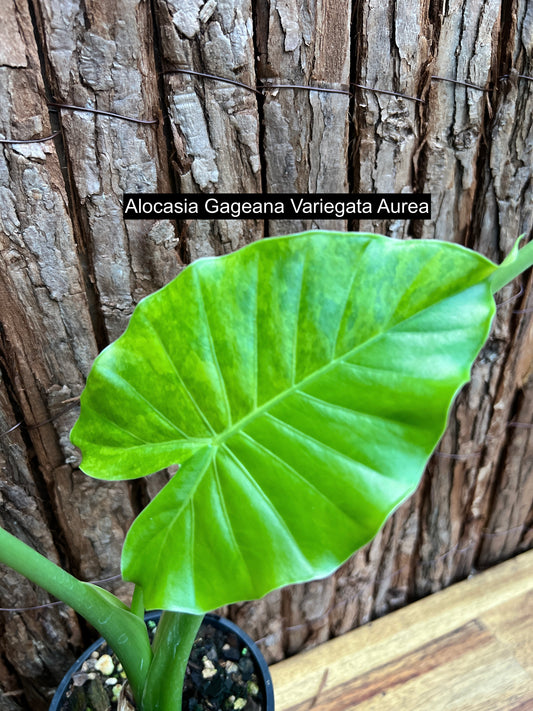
[223,437]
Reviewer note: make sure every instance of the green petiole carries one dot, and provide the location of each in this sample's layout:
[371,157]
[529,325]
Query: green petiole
[124,631]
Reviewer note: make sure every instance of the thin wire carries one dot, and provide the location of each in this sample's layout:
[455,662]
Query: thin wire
[511,298]
[102,113]
[461,83]
[31,140]
[390,93]
[30,609]
[36,425]
[494,534]
[519,76]
[56,602]
[261,88]
[306,87]
[460,457]
[214,77]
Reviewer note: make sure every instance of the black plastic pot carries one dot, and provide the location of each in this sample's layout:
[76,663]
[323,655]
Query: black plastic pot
[261,667]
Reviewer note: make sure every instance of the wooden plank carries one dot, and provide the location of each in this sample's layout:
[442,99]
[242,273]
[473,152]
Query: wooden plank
[512,624]
[432,676]
[466,647]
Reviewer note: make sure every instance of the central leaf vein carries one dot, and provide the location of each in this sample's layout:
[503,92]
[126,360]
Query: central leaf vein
[319,372]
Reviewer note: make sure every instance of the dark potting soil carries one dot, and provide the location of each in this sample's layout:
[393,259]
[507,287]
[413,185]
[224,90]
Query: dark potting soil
[220,676]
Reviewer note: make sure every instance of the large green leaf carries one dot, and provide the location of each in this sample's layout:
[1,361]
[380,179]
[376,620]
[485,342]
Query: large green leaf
[302,383]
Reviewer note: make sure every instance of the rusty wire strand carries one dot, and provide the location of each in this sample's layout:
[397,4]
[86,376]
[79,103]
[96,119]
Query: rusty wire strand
[514,297]
[30,140]
[458,457]
[100,112]
[519,76]
[54,603]
[389,93]
[461,83]
[214,77]
[72,403]
[260,89]
[306,87]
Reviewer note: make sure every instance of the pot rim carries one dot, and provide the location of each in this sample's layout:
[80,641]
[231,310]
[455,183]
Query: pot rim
[216,621]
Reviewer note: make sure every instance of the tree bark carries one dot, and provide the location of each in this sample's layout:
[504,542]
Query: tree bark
[305,132]
[215,125]
[100,55]
[71,270]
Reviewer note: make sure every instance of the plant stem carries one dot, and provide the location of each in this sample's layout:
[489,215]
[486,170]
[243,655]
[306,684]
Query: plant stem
[514,264]
[123,630]
[137,602]
[172,647]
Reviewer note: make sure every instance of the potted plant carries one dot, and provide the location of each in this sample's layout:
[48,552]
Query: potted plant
[301,384]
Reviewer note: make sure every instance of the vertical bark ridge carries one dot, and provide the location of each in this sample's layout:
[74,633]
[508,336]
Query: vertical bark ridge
[455,132]
[96,59]
[47,348]
[306,132]
[260,42]
[353,149]
[214,125]
[508,501]
[80,230]
[182,248]
[388,126]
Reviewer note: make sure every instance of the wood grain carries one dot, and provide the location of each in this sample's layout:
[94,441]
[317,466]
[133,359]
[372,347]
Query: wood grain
[468,647]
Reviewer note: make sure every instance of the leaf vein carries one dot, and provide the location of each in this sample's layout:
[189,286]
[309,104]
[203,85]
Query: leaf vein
[227,518]
[177,373]
[112,375]
[212,346]
[348,294]
[270,504]
[327,447]
[297,474]
[342,408]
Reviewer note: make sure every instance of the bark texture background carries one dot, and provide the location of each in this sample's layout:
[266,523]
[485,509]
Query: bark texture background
[71,270]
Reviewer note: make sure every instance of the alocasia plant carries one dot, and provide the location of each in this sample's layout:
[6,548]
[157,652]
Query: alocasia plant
[301,384]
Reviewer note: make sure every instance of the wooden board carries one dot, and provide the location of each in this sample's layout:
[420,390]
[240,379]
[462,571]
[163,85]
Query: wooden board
[467,648]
